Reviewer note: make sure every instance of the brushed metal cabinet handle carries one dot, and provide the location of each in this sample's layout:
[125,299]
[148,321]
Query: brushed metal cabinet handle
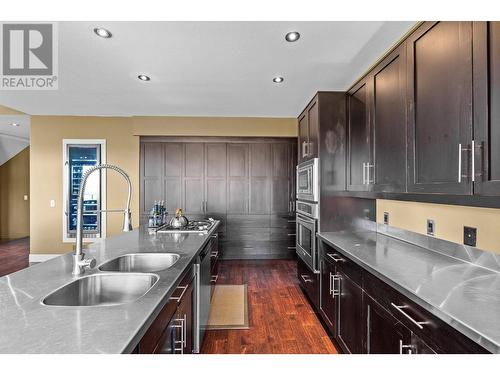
[405,314]
[335,257]
[306,279]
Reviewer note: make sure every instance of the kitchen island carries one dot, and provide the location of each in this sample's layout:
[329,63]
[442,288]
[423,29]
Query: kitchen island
[29,326]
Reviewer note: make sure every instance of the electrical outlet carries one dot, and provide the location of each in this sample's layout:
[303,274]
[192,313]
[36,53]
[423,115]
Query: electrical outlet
[470,235]
[431,227]
[52,203]
[386,218]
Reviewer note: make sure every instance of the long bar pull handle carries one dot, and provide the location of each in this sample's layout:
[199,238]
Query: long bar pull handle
[473,149]
[335,257]
[459,162]
[400,309]
[331,284]
[336,291]
[364,173]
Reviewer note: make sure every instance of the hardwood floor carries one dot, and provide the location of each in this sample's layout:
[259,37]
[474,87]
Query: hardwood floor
[14,255]
[281,319]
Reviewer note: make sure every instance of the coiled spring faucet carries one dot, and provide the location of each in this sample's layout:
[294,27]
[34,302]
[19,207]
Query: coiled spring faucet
[79,261]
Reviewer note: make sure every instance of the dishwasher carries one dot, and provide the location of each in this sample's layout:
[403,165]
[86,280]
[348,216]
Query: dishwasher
[202,293]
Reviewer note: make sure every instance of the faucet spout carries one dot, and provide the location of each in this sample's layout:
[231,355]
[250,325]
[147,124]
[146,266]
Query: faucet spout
[79,261]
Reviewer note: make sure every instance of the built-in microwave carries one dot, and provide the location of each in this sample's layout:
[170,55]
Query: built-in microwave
[308,181]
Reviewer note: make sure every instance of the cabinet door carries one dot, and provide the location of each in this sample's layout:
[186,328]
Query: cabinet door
[389,123]
[313,129]
[487,108]
[327,298]
[303,136]
[359,154]
[193,178]
[280,196]
[260,187]
[215,178]
[152,176]
[350,312]
[440,112]
[237,178]
[184,316]
[384,333]
[174,158]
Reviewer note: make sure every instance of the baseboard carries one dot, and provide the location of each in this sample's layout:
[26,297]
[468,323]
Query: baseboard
[38,258]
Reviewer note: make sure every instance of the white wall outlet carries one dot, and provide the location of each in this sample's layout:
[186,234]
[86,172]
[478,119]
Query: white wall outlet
[52,203]
[431,227]
[25,197]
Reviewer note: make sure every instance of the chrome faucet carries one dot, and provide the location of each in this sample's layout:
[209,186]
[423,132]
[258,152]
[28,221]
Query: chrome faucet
[79,261]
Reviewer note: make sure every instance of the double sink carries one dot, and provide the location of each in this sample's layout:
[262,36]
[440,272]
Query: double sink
[128,278]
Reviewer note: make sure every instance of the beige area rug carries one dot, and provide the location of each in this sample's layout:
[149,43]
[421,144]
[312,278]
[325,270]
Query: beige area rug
[229,308]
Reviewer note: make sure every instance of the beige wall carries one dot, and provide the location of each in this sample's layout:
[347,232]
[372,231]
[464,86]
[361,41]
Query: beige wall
[122,136]
[449,220]
[14,184]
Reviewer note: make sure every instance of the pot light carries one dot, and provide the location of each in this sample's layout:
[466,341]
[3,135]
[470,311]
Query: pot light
[278,79]
[15,124]
[292,36]
[103,33]
[144,77]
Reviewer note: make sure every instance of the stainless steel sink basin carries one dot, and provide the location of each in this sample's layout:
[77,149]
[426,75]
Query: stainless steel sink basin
[102,289]
[141,262]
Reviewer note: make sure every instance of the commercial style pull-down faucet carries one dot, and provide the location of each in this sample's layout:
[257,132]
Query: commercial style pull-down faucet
[79,260]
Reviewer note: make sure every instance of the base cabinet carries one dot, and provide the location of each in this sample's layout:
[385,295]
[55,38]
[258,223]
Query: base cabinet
[172,331]
[365,315]
[384,333]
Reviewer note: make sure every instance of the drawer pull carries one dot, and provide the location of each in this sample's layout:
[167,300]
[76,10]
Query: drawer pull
[184,288]
[306,279]
[215,254]
[291,234]
[400,309]
[403,346]
[214,279]
[336,258]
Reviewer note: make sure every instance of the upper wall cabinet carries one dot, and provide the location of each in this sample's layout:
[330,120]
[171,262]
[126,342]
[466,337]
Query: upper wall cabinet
[388,81]
[486,146]
[359,155]
[440,108]
[309,131]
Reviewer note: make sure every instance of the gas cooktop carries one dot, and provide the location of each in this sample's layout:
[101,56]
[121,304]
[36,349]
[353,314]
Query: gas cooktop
[195,226]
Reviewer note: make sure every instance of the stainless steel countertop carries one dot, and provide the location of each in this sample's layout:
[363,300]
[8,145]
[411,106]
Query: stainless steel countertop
[28,326]
[462,294]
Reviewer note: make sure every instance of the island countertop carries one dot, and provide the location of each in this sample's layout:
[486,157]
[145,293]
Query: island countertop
[462,294]
[28,326]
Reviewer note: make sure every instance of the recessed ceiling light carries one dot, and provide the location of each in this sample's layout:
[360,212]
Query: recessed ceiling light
[292,36]
[278,79]
[15,124]
[144,77]
[103,33]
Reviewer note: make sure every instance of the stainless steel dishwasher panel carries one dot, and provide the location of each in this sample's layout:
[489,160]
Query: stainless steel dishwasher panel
[202,305]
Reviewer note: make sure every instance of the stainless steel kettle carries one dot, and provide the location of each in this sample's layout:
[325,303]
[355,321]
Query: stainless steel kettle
[179,221]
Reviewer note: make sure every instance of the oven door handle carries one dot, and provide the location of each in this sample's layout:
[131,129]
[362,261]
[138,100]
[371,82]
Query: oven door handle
[306,219]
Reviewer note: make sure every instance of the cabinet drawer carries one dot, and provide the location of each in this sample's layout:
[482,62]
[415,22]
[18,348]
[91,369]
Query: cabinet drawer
[437,334]
[351,269]
[309,282]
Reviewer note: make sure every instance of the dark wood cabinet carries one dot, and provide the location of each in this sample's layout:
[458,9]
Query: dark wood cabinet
[365,315]
[309,281]
[384,333]
[246,183]
[388,82]
[359,154]
[486,147]
[172,331]
[309,131]
[440,107]
[327,302]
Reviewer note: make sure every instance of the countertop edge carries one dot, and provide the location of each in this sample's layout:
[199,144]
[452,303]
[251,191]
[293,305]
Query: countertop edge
[472,334]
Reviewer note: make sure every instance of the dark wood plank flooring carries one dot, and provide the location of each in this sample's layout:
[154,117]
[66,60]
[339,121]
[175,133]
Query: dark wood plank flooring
[281,319]
[14,255]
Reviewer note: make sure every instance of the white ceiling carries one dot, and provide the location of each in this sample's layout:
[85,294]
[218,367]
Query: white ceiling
[204,68]
[13,139]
